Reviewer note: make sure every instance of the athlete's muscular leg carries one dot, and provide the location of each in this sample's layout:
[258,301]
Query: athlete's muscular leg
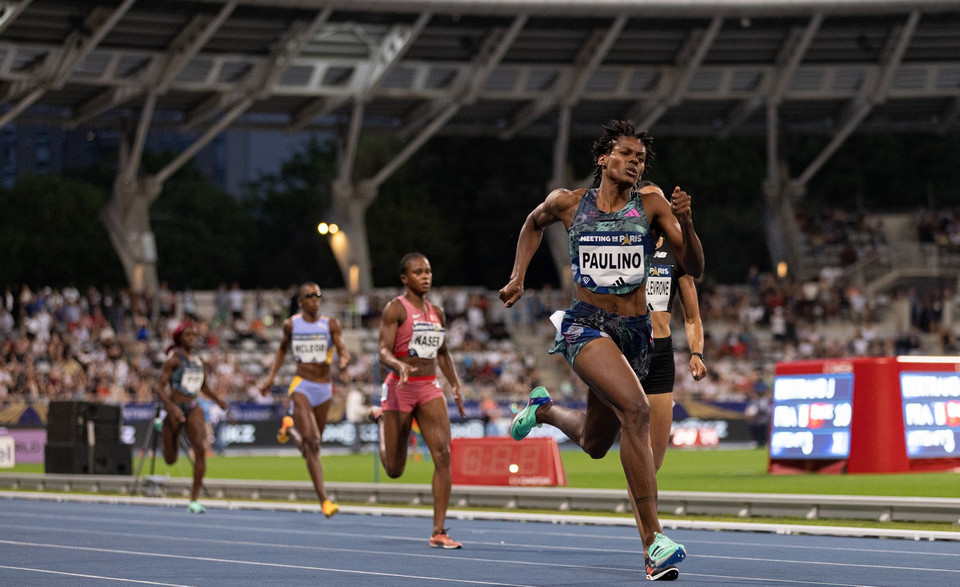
[305,421]
[394,435]
[599,419]
[603,367]
[661,419]
[197,435]
[435,427]
[170,433]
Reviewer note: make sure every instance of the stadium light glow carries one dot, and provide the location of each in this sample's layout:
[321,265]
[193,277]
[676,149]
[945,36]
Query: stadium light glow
[324,228]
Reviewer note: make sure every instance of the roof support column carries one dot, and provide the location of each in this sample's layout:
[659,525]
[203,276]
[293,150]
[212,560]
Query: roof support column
[127,215]
[780,193]
[349,245]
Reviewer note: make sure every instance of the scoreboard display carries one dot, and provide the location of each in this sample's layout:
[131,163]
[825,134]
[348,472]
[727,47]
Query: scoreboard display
[866,415]
[811,416]
[931,413]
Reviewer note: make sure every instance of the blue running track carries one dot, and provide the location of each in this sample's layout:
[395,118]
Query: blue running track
[46,542]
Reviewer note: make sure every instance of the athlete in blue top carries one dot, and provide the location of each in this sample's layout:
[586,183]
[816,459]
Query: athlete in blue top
[606,335]
[181,381]
[313,338]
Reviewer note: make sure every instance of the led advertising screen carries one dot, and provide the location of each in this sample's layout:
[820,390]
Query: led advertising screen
[931,413]
[811,416]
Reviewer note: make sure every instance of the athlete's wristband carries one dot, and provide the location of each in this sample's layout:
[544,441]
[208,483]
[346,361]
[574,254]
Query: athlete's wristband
[697,355]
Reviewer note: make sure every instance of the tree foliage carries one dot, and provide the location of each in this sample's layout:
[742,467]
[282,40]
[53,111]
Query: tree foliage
[285,208]
[50,233]
[461,201]
[201,231]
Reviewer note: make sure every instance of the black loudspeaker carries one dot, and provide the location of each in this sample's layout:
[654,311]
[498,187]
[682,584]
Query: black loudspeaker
[76,459]
[68,422]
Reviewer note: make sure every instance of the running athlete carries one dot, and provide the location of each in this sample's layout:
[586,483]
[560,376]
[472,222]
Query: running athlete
[313,338]
[666,280]
[412,344]
[181,381]
[606,336]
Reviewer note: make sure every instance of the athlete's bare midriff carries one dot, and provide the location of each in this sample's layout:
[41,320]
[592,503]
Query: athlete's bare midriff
[629,304]
[425,367]
[316,372]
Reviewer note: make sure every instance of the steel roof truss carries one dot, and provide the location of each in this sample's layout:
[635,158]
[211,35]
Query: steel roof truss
[392,48]
[568,89]
[188,44]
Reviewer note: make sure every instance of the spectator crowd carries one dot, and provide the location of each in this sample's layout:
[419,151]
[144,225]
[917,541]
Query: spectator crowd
[101,344]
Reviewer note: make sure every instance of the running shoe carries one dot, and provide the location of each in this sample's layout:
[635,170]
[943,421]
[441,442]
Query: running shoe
[664,573]
[329,508]
[664,552]
[196,508]
[442,540]
[282,435]
[526,418]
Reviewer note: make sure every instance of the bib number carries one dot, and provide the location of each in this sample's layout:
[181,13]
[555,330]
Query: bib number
[426,340]
[310,349]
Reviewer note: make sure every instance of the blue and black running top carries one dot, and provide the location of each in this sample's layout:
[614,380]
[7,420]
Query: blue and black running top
[610,251]
[188,377]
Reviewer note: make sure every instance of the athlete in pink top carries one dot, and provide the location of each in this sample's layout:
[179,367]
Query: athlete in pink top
[412,345]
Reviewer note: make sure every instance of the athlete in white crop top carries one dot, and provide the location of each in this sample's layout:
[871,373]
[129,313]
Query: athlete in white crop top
[312,337]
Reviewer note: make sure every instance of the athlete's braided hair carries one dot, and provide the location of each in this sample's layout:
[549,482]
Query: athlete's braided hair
[613,131]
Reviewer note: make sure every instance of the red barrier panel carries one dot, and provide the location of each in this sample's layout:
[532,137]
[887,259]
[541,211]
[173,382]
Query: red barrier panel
[866,415]
[504,461]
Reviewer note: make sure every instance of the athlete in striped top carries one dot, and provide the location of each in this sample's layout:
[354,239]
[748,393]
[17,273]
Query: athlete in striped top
[606,335]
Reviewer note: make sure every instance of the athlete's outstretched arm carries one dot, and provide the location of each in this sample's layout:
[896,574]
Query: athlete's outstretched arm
[279,357]
[556,208]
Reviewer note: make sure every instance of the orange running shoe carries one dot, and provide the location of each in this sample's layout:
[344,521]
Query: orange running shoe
[282,435]
[329,508]
[442,540]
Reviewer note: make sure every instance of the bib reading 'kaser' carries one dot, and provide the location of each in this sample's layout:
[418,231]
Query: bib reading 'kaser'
[421,334]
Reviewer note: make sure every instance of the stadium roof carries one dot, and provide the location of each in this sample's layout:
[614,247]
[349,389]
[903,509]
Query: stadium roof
[497,67]
[504,68]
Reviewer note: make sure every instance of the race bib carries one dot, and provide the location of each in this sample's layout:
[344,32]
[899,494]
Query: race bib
[426,340]
[611,259]
[310,348]
[191,380]
[658,290]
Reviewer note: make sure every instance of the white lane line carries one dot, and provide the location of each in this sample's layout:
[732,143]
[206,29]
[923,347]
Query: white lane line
[256,564]
[84,576]
[165,539]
